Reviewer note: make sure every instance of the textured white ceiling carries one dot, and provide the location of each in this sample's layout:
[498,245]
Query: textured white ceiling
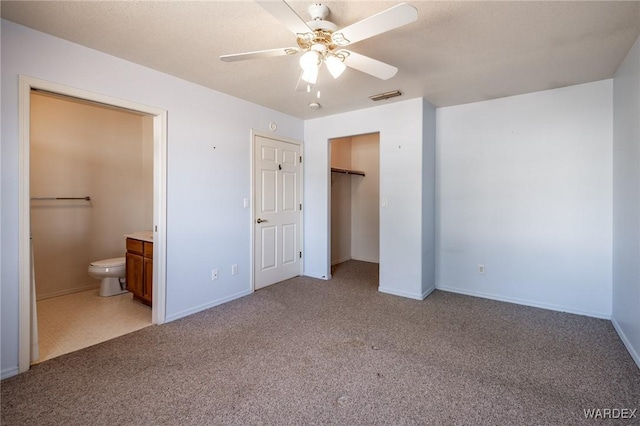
[457,52]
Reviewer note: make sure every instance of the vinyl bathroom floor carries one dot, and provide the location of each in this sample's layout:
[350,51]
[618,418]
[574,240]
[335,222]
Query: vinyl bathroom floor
[79,320]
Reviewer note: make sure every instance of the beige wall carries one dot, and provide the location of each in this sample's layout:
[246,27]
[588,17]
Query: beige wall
[340,201]
[355,200]
[80,149]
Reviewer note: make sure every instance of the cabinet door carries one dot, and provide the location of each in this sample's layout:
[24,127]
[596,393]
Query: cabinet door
[147,284]
[135,273]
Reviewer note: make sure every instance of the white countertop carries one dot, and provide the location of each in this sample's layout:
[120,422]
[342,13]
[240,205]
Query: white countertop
[141,235]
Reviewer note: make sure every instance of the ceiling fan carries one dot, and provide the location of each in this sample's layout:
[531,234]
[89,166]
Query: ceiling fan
[323,43]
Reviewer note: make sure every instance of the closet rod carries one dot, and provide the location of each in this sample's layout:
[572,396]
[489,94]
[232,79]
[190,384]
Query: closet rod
[87,198]
[347,171]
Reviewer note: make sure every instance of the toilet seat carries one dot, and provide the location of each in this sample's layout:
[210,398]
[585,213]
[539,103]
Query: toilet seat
[109,263]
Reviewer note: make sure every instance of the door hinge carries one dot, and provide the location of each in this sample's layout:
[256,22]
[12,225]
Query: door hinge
[300,255]
[301,158]
[300,206]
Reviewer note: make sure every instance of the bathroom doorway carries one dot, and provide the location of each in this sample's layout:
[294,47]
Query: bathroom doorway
[91,182]
[355,199]
[88,210]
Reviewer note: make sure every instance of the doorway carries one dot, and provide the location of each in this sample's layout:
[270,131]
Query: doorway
[91,182]
[27,296]
[355,198]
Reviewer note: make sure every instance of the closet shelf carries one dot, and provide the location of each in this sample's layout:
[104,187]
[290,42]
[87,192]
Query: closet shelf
[347,171]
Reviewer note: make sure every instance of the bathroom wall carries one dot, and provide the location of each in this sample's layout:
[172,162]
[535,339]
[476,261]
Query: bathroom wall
[80,149]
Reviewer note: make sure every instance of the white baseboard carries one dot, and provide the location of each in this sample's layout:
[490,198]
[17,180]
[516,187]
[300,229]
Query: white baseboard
[625,340]
[364,259]
[68,291]
[428,292]
[550,307]
[208,305]
[319,277]
[394,292]
[361,259]
[8,372]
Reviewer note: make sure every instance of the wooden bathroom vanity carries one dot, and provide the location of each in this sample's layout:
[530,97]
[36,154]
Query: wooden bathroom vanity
[140,266]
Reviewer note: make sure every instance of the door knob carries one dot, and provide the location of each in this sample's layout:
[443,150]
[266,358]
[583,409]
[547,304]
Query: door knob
[261,220]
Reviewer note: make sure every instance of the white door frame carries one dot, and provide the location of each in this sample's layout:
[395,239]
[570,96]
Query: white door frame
[26,84]
[254,134]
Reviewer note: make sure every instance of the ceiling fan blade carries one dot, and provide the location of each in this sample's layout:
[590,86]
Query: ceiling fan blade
[379,23]
[260,54]
[370,66]
[287,16]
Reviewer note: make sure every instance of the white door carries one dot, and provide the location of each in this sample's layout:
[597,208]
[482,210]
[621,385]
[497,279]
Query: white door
[277,198]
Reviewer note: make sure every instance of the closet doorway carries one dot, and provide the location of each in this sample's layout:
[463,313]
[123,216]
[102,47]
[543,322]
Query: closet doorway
[355,198]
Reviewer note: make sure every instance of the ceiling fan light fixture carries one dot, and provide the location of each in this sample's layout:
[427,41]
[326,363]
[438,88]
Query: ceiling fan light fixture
[310,75]
[310,64]
[335,65]
[310,59]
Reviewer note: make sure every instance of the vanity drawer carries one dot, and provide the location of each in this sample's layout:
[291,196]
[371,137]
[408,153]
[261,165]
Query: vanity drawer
[135,246]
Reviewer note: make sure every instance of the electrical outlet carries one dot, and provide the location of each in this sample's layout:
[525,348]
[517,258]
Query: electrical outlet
[480,268]
[214,274]
[234,269]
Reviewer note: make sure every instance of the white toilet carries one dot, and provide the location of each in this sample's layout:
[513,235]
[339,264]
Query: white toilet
[112,274]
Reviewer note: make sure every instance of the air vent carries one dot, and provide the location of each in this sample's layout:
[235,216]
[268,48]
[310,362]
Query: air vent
[385,95]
